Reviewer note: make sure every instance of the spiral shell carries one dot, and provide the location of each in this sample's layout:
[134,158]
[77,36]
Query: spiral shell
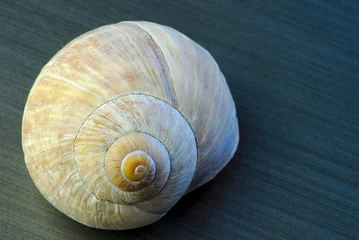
[123,121]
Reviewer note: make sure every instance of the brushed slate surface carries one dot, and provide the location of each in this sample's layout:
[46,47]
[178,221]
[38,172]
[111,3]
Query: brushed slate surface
[293,69]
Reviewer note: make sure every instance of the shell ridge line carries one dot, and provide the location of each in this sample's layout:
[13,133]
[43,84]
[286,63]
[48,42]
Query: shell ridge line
[162,55]
[170,75]
[139,94]
[111,100]
[188,123]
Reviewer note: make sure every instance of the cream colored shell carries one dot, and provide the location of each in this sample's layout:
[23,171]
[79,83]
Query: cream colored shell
[123,121]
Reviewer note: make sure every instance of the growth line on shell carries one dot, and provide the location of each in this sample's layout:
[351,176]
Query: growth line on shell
[165,62]
[119,98]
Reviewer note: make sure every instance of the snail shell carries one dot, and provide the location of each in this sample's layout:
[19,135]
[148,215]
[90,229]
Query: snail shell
[125,120]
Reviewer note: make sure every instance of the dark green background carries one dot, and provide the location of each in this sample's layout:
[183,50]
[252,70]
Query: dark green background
[292,67]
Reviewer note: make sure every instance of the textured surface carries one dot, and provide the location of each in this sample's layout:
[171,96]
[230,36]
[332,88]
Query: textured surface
[292,67]
[112,81]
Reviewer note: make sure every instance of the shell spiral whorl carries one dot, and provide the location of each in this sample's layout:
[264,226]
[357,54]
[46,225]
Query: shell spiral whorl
[123,121]
[134,133]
